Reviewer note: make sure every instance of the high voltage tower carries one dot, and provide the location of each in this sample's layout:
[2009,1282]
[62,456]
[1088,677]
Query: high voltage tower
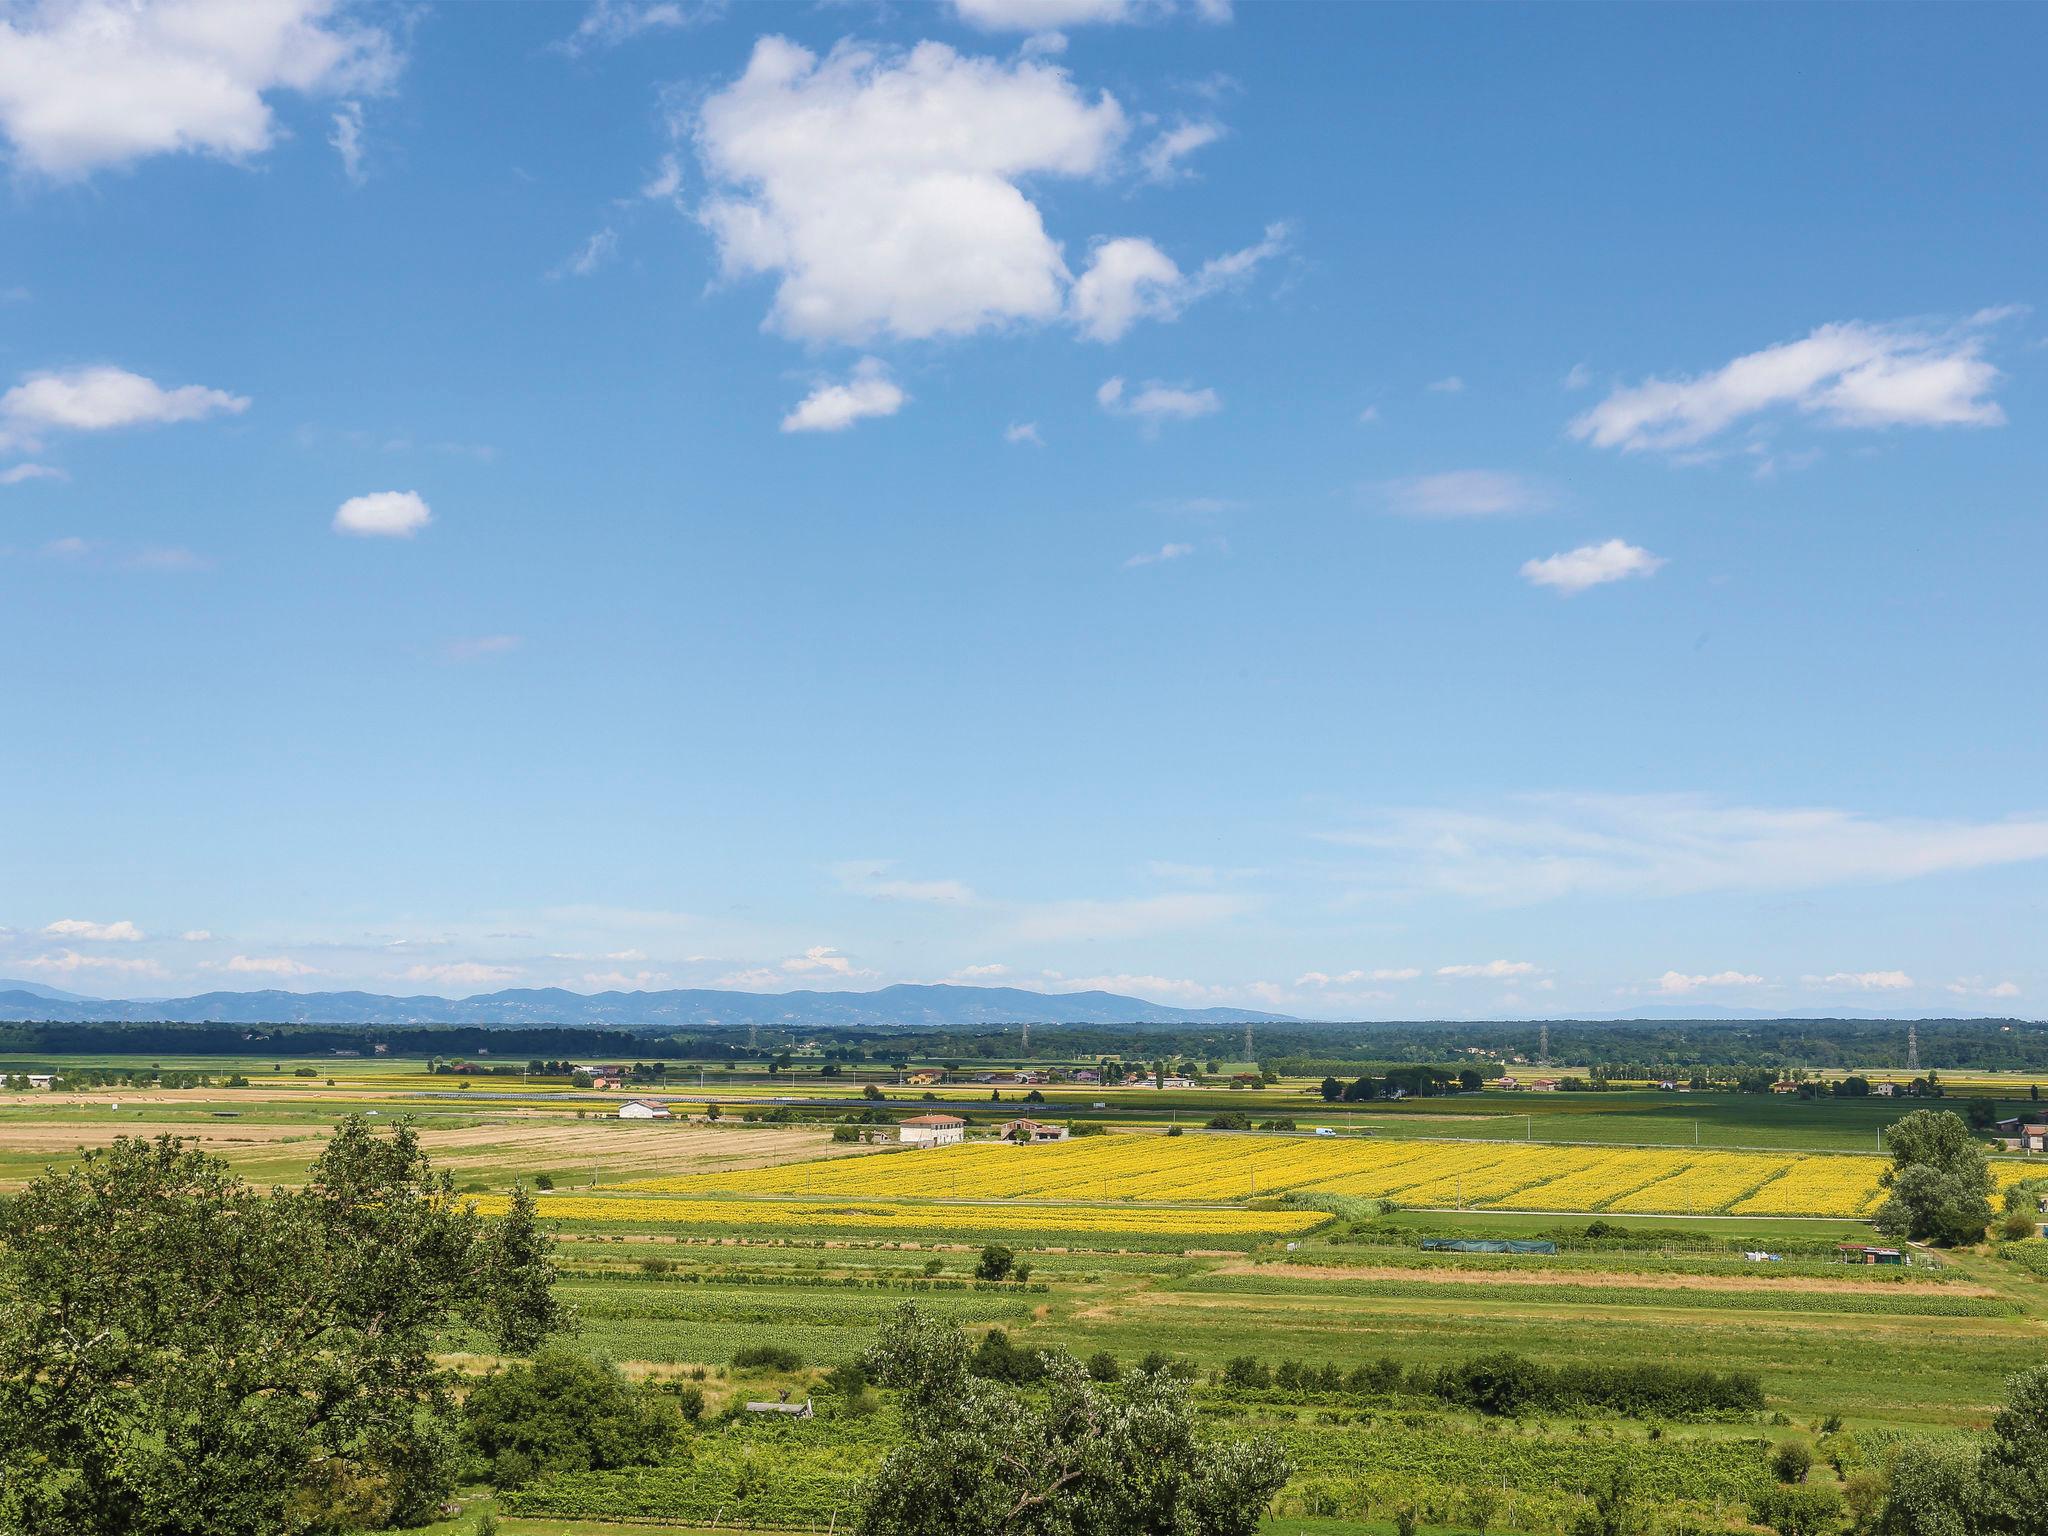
[1543,1046]
[1027,1037]
[1912,1047]
[1248,1056]
[750,1038]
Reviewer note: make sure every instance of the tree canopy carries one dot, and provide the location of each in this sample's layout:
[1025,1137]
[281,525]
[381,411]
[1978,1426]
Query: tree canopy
[181,1355]
[1939,1180]
[1068,1457]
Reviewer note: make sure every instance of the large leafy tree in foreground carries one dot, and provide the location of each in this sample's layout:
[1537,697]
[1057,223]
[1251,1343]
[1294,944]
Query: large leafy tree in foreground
[1939,1180]
[1995,1487]
[181,1355]
[1065,1458]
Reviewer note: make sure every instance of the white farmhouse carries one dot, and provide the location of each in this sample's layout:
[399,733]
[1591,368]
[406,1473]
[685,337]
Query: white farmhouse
[932,1131]
[644,1109]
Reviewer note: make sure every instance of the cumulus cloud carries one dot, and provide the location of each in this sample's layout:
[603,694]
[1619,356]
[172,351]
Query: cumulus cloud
[868,391]
[383,515]
[1678,983]
[1591,565]
[1868,981]
[1543,847]
[1491,970]
[1160,555]
[1464,493]
[122,932]
[981,972]
[86,84]
[100,399]
[1976,986]
[1130,279]
[1847,375]
[1156,402]
[195,936]
[1050,15]
[822,960]
[881,190]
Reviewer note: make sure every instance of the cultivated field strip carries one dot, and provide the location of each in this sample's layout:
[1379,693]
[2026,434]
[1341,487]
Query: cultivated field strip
[1206,1169]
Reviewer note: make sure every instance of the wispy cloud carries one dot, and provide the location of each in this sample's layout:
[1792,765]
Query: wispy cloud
[1160,555]
[1852,374]
[480,647]
[1867,981]
[1544,847]
[877,878]
[1490,970]
[1464,493]
[1156,402]
[122,932]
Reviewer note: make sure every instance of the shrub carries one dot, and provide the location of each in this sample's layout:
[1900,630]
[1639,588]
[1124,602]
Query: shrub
[1102,1366]
[542,1181]
[1791,1461]
[566,1413]
[767,1357]
[994,1263]
[1805,1510]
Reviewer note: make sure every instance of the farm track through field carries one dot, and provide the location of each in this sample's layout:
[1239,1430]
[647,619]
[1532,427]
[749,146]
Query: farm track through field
[1617,1279]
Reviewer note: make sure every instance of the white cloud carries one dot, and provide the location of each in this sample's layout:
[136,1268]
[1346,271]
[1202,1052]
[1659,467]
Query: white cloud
[1975,986]
[1321,979]
[69,961]
[99,399]
[1678,983]
[1048,15]
[1549,846]
[264,965]
[1579,377]
[1492,970]
[980,972]
[1161,159]
[873,877]
[1848,375]
[589,256]
[21,474]
[463,973]
[347,140]
[1369,415]
[1451,385]
[1590,565]
[1023,432]
[122,932]
[1138,917]
[822,960]
[86,84]
[1130,279]
[869,391]
[383,514]
[666,182]
[607,23]
[1157,402]
[195,936]
[626,981]
[1464,493]
[1160,555]
[881,188]
[1868,981]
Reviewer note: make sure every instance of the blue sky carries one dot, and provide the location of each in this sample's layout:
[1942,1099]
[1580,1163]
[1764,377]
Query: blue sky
[1363,511]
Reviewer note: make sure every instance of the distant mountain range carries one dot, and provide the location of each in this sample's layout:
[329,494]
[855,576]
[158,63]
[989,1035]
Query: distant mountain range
[931,1006]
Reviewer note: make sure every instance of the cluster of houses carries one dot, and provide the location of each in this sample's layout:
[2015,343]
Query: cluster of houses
[2024,1133]
[1532,1085]
[951,1130]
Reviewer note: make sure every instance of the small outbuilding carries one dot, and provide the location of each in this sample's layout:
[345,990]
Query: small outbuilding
[644,1109]
[1031,1132]
[932,1131]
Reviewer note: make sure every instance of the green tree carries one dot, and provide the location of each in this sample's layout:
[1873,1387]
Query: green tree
[982,1459]
[1931,1490]
[183,1356]
[2013,1470]
[567,1413]
[994,1263]
[1939,1180]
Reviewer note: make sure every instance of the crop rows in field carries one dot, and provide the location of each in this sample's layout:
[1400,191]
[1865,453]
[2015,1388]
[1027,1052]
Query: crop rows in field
[924,1222]
[1214,1169]
[1895,1301]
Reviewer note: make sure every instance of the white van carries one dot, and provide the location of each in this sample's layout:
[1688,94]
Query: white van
[1324,1130]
